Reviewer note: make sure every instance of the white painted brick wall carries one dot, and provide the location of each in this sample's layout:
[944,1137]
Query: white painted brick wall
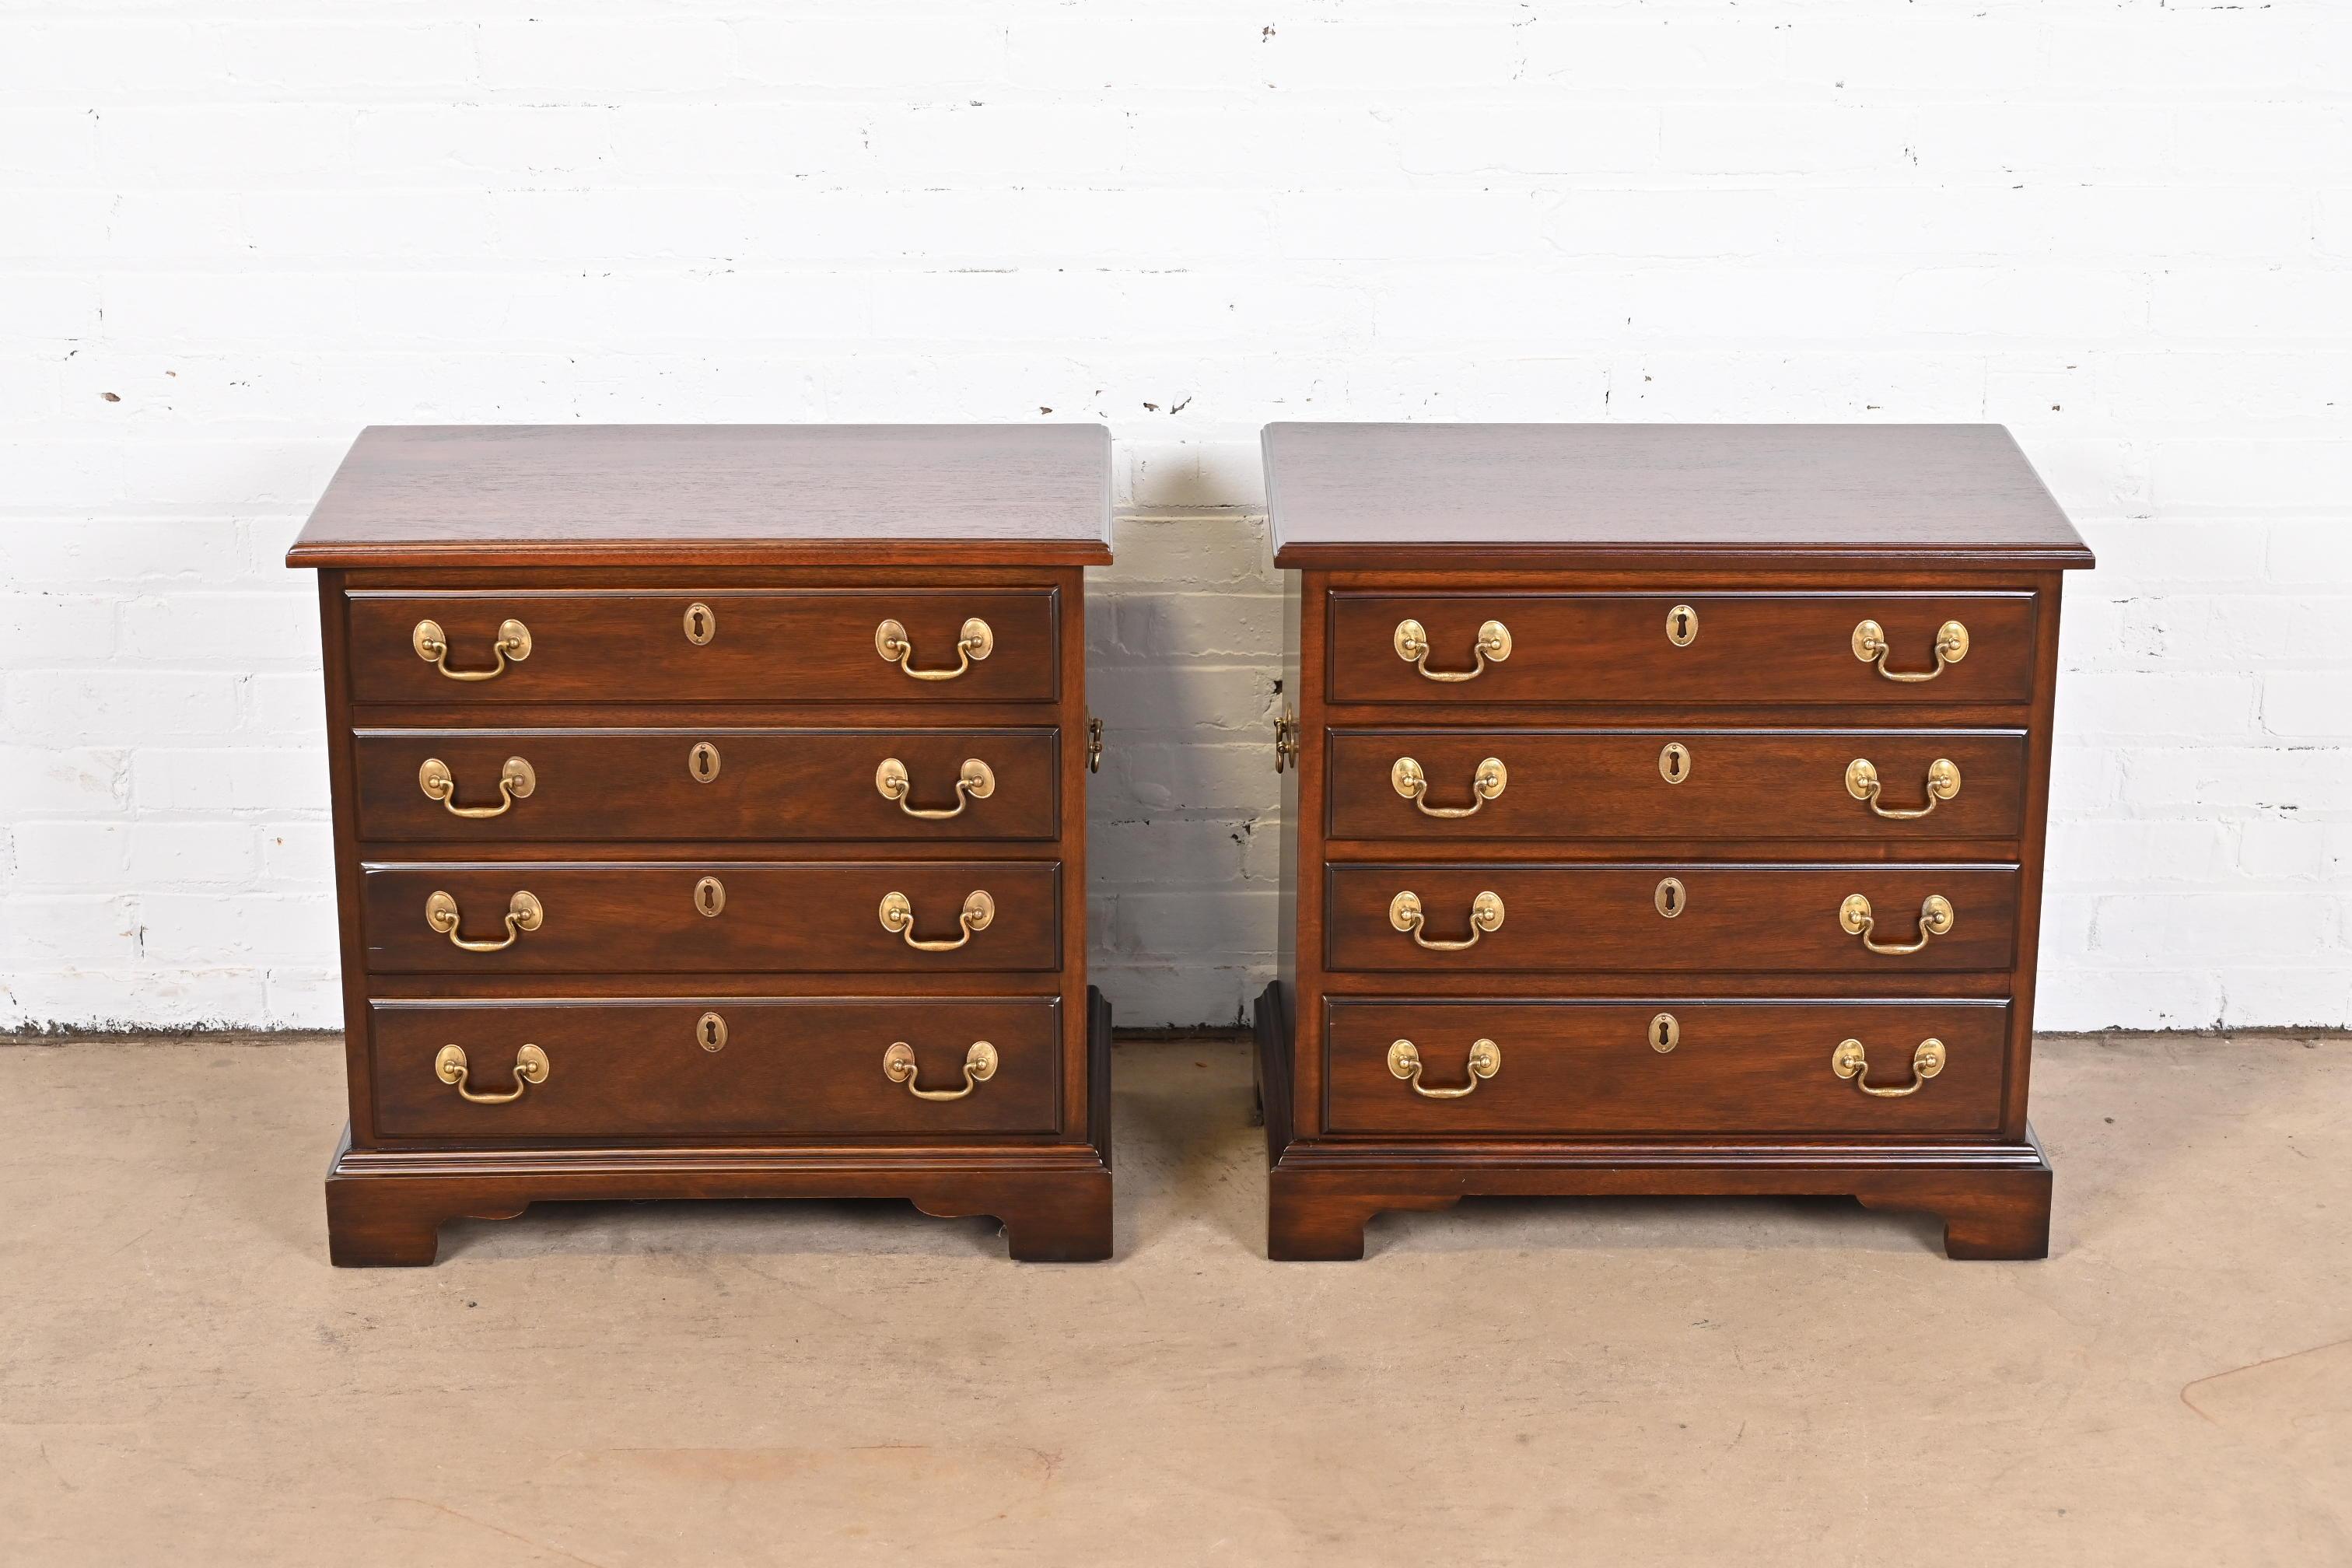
[232,231]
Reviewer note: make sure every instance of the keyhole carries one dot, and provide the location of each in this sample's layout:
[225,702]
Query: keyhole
[1682,625]
[1670,898]
[1665,1033]
[1673,761]
[701,624]
[710,896]
[710,1032]
[702,762]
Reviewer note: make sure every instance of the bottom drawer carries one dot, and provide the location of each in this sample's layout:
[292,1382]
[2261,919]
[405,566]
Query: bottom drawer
[1595,1068]
[637,1068]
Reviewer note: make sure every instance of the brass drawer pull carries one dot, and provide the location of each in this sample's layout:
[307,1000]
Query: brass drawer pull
[1286,740]
[432,646]
[1094,744]
[976,782]
[976,643]
[1870,645]
[1926,1061]
[1410,781]
[524,914]
[1485,915]
[1405,1061]
[1936,919]
[1413,647]
[979,1066]
[530,1067]
[898,918]
[516,781]
[1861,782]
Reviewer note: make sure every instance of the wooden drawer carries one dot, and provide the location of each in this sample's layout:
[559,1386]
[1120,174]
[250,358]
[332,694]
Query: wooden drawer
[801,645]
[618,1070]
[1571,1069]
[1605,918]
[707,784]
[1615,647]
[650,918]
[1676,784]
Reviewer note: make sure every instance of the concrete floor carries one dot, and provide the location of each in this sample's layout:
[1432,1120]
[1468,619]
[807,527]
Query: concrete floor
[184,1379]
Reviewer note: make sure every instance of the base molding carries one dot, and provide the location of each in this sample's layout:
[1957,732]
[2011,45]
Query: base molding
[1994,1199]
[387,1207]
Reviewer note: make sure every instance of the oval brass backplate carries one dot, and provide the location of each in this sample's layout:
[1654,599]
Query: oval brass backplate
[710,1032]
[702,762]
[1682,625]
[1665,1033]
[1672,898]
[1673,761]
[710,896]
[701,624]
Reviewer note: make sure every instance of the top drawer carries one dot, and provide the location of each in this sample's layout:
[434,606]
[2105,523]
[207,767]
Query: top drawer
[799,645]
[1844,646]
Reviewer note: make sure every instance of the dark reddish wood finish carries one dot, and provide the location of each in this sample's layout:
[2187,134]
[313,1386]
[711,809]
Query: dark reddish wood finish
[816,916]
[606,646]
[1737,1067]
[1780,538]
[804,1068]
[1756,647]
[1745,785]
[1736,919]
[799,545]
[636,784]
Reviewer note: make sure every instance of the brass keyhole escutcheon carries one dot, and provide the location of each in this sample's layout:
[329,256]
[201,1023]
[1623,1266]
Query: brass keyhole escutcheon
[710,896]
[1670,898]
[702,762]
[1665,1033]
[701,624]
[1682,625]
[710,1032]
[1673,761]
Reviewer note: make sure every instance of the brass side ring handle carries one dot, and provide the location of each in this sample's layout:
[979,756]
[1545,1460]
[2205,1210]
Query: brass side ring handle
[979,1066]
[530,1067]
[1485,915]
[432,646]
[1494,645]
[898,918]
[516,781]
[1926,1061]
[1409,781]
[524,914]
[1936,919]
[1404,1062]
[976,781]
[1861,782]
[1870,645]
[976,643]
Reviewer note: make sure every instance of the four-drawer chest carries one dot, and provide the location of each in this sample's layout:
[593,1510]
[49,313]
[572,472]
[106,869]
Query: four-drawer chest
[709,822]
[1666,808]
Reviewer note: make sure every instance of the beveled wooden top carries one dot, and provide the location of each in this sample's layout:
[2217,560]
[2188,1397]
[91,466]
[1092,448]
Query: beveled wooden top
[603,495]
[1753,496]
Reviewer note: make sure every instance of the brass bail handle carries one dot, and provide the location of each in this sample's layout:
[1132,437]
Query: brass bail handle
[516,781]
[1861,782]
[1404,1062]
[979,1066]
[432,646]
[975,782]
[1412,643]
[898,919]
[1485,915]
[530,1066]
[976,643]
[1870,645]
[1936,919]
[1850,1061]
[524,914]
[1405,776]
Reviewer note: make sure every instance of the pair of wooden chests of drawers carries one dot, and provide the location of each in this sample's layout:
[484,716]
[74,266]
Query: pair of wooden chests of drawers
[1665,811]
